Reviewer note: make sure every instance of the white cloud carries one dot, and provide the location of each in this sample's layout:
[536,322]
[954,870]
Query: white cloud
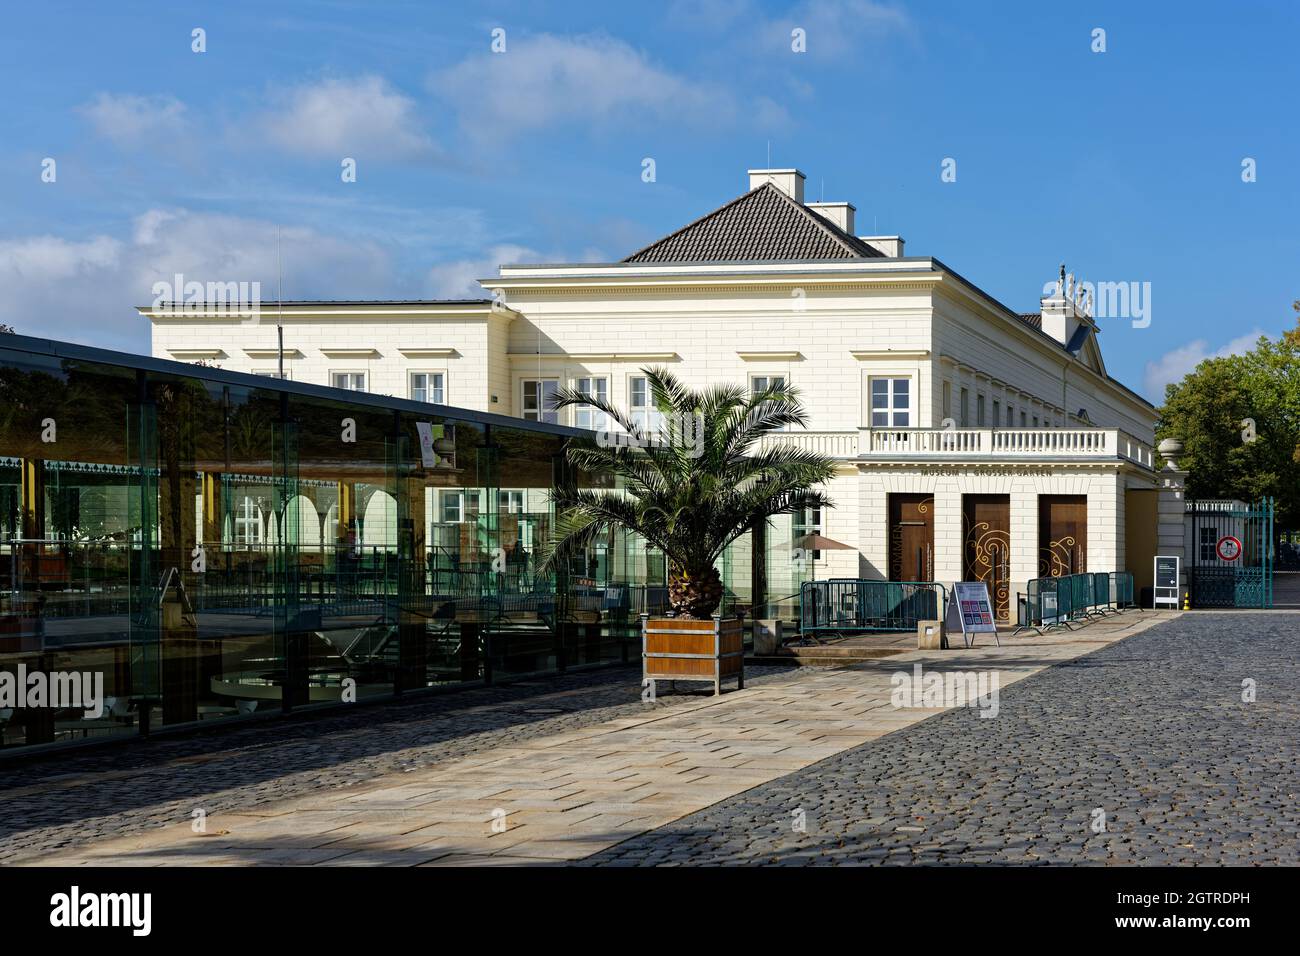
[545,80]
[85,290]
[132,121]
[459,278]
[839,28]
[1174,364]
[347,117]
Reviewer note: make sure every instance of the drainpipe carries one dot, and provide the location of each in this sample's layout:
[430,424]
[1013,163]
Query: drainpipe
[1065,408]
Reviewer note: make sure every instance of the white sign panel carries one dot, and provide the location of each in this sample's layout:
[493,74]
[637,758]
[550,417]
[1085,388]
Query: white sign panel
[974,610]
[1166,580]
[428,432]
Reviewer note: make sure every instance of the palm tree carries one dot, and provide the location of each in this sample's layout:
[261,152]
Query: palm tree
[692,482]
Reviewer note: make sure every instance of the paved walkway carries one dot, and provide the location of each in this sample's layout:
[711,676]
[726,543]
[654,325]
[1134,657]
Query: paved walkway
[572,793]
[1143,753]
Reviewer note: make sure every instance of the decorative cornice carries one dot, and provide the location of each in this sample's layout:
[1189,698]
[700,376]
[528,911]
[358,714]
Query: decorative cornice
[184,354]
[349,353]
[863,355]
[428,353]
[272,353]
[794,356]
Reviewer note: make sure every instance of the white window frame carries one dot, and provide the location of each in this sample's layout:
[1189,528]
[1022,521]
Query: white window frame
[539,414]
[767,378]
[429,375]
[808,521]
[459,495]
[248,516]
[352,375]
[644,415]
[584,415]
[891,409]
[274,373]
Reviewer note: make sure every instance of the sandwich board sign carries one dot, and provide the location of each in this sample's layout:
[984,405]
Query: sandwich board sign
[1166,580]
[974,611]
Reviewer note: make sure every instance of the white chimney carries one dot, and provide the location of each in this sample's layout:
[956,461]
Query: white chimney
[840,213]
[1061,309]
[789,181]
[889,246]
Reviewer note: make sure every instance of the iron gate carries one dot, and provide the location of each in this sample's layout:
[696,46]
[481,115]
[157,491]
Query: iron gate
[1217,528]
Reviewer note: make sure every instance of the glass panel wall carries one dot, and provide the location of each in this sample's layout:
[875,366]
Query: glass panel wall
[180,544]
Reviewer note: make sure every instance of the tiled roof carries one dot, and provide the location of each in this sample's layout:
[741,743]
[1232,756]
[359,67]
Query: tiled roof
[1032,318]
[763,225]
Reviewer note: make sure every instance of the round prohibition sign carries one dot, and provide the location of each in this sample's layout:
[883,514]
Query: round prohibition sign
[1228,548]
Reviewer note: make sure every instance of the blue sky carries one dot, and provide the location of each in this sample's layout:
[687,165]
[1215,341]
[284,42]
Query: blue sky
[1126,165]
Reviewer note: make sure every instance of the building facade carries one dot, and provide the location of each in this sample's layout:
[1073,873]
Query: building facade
[973,442]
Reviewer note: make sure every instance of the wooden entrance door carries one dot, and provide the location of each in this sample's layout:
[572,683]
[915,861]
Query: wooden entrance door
[1062,535]
[911,537]
[986,547]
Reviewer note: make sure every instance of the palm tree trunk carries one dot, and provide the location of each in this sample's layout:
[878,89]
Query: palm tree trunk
[696,593]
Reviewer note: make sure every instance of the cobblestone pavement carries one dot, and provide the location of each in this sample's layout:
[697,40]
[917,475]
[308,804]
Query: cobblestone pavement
[76,798]
[1152,732]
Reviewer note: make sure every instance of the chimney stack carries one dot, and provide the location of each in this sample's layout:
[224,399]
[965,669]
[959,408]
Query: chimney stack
[789,181]
[840,213]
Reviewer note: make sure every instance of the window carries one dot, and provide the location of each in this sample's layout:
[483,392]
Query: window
[979,410]
[965,406]
[510,502]
[891,402]
[458,506]
[646,417]
[1023,421]
[272,373]
[997,413]
[1209,541]
[1011,416]
[352,381]
[807,521]
[429,387]
[1035,421]
[539,400]
[248,523]
[761,383]
[585,416]
[947,399]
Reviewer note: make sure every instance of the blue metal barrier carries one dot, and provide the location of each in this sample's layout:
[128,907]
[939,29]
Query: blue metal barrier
[850,605]
[1059,602]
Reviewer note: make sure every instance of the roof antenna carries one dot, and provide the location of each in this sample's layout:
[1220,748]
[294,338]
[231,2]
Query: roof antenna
[279,305]
[823,199]
[769,154]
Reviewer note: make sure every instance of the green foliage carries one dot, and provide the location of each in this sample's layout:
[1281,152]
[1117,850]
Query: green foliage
[693,495]
[1209,411]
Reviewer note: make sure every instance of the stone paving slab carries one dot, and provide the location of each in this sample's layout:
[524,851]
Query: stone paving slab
[1152,734]
[677,761]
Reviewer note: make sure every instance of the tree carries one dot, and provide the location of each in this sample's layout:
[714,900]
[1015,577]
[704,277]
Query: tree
[1239,419]
[692,486]
[7,329]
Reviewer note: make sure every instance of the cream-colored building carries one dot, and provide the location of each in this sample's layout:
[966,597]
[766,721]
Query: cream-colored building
[973,441]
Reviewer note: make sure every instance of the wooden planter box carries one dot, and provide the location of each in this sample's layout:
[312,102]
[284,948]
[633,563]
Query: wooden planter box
[679,649]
